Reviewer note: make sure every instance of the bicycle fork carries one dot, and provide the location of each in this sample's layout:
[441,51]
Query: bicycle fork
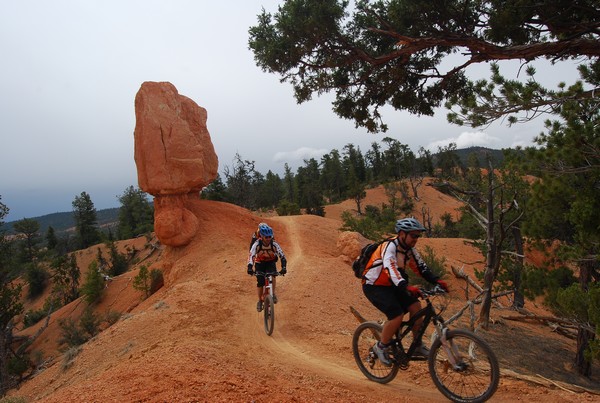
[267,289]
[451,350]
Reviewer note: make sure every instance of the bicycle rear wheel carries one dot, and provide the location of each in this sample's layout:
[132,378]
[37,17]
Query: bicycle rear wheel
[365,337]
[475,373]
[269,311]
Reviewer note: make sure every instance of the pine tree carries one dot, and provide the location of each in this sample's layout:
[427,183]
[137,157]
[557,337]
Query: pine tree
[86,221]
[136,215]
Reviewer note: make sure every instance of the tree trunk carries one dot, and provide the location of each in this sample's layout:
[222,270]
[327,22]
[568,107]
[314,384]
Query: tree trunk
[583,365]
[5,381]
[357,199]
[519,301]
[491,256]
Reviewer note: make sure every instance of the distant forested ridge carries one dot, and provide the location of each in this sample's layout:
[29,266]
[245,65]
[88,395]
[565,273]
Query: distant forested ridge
[63,222]
[108,218]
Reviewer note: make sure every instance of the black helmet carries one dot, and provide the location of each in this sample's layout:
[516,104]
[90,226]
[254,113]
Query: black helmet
[409,224]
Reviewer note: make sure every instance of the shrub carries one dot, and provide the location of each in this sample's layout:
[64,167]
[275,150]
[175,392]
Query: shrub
[435,264]
[156,280]
[36,278]
[71,334]
[89,323]
[69,357]
[373,224]
[111,317]
[33,316]
[93,285]
[148,282]
[17,365]
[286,207]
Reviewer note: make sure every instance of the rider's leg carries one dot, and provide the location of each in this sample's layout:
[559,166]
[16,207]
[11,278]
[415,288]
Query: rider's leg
[420,349]
[389,329]
[413,309]
[260,280]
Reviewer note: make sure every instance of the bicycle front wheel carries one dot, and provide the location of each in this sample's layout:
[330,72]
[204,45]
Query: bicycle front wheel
[269,310]
[464,369]
[365,337]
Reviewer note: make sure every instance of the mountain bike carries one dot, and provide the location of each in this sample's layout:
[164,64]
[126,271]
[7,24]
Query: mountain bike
[268,302]
[462,365]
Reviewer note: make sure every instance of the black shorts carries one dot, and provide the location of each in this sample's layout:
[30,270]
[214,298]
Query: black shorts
[390,300]
[264,268]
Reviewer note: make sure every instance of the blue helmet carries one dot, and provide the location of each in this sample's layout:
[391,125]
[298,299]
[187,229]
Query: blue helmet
[409,224]
[265,230]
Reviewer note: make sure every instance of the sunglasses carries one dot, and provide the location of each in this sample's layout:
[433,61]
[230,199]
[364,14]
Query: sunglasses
[414,236]
[267,237]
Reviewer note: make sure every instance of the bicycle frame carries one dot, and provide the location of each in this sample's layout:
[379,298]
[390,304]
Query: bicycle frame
[268,287]
[406,327]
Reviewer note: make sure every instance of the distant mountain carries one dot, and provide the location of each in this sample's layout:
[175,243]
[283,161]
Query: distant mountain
[481,153]
[62,222]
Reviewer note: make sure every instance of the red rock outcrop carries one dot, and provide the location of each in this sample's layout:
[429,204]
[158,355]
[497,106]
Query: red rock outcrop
[174,155]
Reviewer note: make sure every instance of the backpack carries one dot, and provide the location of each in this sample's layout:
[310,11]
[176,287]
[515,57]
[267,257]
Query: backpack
[262,247]
[254,238]
[360,264]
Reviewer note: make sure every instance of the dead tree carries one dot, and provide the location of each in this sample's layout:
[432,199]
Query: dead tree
[495,226]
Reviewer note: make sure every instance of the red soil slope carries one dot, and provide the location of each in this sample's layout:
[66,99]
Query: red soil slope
[200,338]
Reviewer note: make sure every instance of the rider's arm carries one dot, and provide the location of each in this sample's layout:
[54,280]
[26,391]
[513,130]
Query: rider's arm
[252,253]
[280,253]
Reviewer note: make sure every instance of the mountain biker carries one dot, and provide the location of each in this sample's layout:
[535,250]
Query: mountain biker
[385,283]
[263,255]
[256,234]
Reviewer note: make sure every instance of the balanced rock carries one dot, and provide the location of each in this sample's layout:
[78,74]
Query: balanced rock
[174,155]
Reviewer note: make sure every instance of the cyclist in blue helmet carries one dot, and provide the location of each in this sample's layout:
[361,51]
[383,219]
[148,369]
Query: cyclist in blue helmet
[264,253]
[256,234]
[385,282]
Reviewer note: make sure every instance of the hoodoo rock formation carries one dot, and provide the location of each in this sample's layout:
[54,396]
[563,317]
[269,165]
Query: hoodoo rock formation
[175,157]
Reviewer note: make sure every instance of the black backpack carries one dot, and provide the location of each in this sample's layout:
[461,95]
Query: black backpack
[360,264]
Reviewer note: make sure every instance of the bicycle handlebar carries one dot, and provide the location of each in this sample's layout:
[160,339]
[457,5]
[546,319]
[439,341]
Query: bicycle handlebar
[436,290]
[274,274]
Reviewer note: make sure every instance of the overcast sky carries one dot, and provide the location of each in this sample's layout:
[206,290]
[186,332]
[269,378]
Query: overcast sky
[71,69]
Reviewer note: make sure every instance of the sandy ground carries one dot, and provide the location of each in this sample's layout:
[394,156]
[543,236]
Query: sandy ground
[200,338]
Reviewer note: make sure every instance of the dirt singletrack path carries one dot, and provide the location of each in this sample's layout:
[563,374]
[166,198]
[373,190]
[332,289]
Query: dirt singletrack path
[304,321]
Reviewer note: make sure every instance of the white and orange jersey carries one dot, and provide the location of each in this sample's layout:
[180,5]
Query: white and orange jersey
[388,264]
[265,253]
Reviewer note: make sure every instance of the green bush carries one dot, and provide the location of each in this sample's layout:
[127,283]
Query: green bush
[17,365]
[75,334]
[33,316]
[111,317]
[71,334]
[94,284]
[148,282]
[435,264]
[89,323]
[156,280]
[286,207]
[374,224]
[36,278]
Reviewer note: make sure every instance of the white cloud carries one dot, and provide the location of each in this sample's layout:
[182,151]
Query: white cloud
[300,154]
[466,139]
